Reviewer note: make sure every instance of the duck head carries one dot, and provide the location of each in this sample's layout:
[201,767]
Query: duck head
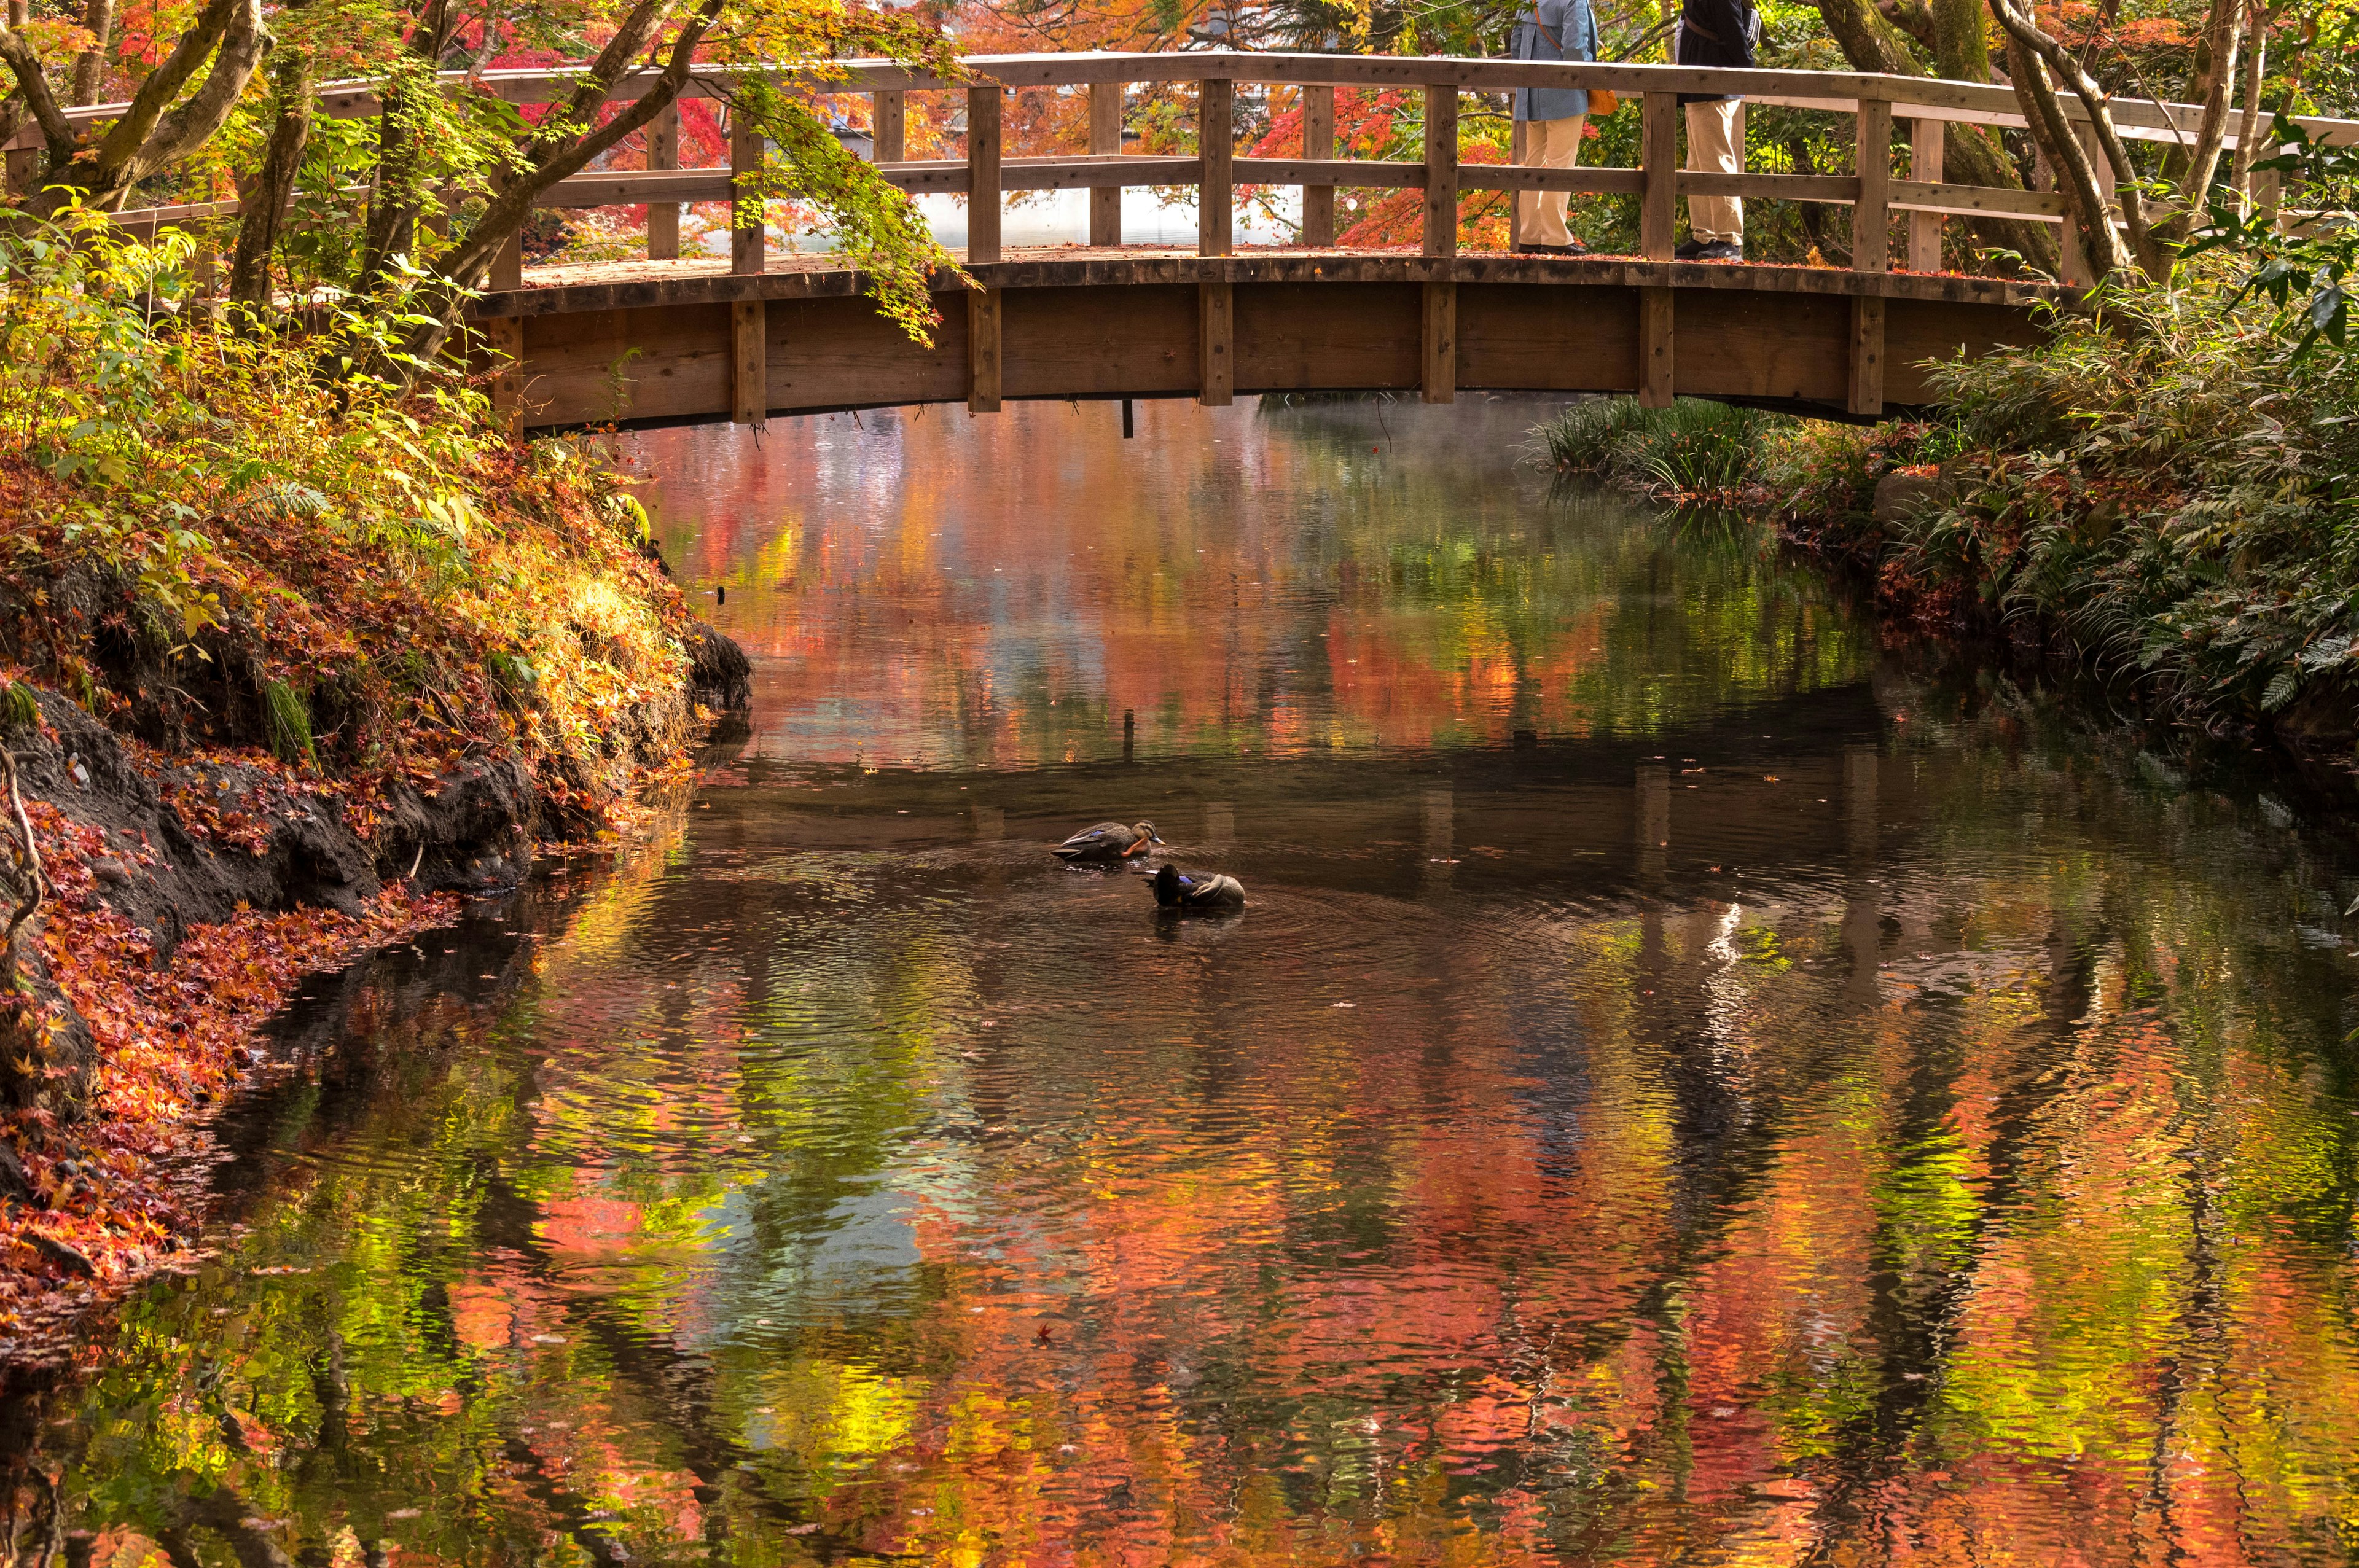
[1168,885]
[1147,830]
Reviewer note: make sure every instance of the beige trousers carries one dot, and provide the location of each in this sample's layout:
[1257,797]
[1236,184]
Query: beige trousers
[1540,215]
[1716,145]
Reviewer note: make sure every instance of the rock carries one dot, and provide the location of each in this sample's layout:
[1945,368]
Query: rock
[13,1183]
[111,873]
[719,672]
[1900,496]
[66,1258]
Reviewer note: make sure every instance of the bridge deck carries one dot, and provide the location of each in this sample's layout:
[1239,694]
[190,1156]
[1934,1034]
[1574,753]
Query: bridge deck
[691,341]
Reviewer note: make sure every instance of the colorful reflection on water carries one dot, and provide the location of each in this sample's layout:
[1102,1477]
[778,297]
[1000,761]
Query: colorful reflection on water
[1686,1087]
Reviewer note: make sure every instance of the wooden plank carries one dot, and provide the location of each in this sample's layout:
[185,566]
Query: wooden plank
[1547,337]
[1867,357]
[985,368]
[888,127]
[663,215]
[1317,147]
[628,187]
[1521,177]
[1438,347]
[507,266]
[748,225]
[1659,161]
[1798,349]
[1216,143]
[1974,200]
[1916,331]
[983,174]
[606,366]
[1317,336]
[1655,348]
[840,353]
[1216,337]
[1871,220]
[504,341]
[1927,139]
[1088,341]
[1368,173]
[1838,190]
[1440,173]
[749,366]
[1105,140]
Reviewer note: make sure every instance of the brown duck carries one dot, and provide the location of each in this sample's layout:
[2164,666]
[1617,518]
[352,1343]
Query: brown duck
[1107,844]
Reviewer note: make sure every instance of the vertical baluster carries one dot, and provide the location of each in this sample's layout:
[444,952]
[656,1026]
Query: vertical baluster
[982,174]
[1441,170]
[748,236]
[1318,146]
[1658,157]
[1871,218]
[663,152]
[1925,144]
[1105,136]
[889,126]
[1216,141]
[507,266]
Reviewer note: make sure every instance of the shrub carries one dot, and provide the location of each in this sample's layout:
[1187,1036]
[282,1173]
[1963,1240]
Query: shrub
[1692,448]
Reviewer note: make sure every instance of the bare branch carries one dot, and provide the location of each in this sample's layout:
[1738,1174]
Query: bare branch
[35,85]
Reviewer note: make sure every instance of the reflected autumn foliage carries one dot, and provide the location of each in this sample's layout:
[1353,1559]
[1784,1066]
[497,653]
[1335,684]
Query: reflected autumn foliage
[1785,1121]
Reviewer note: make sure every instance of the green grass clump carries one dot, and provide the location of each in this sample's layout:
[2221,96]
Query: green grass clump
[1692,449]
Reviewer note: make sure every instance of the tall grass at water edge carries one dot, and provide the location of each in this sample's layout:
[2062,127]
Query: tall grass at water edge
[1692,448]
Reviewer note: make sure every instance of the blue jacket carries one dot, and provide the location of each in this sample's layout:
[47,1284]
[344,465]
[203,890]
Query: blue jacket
[1553,30]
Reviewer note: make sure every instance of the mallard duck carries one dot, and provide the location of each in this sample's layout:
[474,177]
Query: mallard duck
[1215,892]
[1107,844]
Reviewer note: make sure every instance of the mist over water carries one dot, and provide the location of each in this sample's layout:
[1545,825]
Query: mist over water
[1688,1084]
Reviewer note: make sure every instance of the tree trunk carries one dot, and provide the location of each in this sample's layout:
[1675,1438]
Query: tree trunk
[2223,32]
[2076,178]
[273,186]
[99,18]
[2256,60]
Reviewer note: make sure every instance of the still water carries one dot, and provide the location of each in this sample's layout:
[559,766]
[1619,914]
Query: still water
[1692,1084]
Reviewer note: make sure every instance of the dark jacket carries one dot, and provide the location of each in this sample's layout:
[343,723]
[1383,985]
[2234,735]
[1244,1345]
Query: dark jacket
[1715,32]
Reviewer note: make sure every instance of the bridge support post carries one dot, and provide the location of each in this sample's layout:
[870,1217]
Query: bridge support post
[24,162]
[1658,159]
[1867,357]
[1106,137]
[1655,348]
[749,362]
[1438,356]
[1871,216]
[748,237]
[889,126]
[1318,147]
[504,339]
[1441,172]
[1216,328]
[507,268]
[983,174]
[1925,148]
[1216,129]
[663,152]
[983,360]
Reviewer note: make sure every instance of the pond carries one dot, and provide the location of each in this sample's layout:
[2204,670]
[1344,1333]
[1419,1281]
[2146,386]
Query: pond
[1694,1078]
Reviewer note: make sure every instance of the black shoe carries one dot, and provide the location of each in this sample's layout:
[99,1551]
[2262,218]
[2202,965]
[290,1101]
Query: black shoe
[1722,250]
[1575,249]
[1688,249]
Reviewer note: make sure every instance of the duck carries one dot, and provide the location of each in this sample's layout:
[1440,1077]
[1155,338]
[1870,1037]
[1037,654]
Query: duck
[1214,892]
[1107,844]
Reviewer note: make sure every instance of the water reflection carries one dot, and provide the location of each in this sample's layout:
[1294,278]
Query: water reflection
[1781,1108]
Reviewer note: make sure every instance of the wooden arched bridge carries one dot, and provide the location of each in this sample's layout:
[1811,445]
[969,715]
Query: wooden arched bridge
[672,340]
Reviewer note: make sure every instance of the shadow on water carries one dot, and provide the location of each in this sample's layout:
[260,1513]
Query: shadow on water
[1686,1084]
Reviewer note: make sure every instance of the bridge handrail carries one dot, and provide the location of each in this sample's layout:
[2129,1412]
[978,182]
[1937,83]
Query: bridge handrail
[1876,101]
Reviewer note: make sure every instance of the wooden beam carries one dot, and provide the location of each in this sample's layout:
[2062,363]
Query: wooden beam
[1216,331]
[749,363]
[748,231]
[1318,147]
[24,166]
[1438,349]
[985,370]
[507,268]
[1974,200]
[1659,160]
[1655,348]
[1926,141]
[1441,170]
[1216,103]
[1867,356]
[983,181]
[1105,138]
[888,127]
[1871,220]
[504,339]
[663,153]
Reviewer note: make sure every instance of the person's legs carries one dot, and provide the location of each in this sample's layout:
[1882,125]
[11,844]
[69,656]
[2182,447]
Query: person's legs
[1540,215]
[1716,145]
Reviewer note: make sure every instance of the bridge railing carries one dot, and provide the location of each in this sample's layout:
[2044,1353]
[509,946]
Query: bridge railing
[1874,191]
